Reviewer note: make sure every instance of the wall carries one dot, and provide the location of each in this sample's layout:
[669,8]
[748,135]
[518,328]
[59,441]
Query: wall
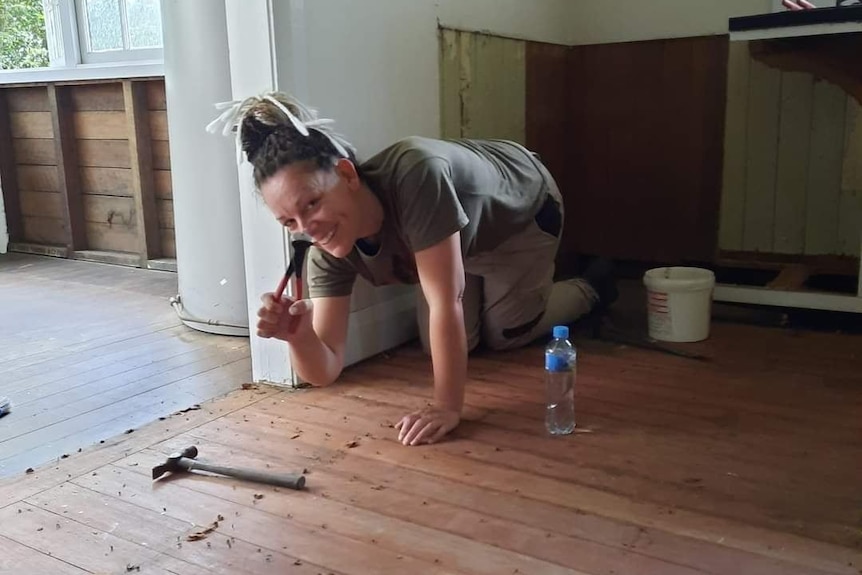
[602,21]
[86,170]
[381,79]
[792,164]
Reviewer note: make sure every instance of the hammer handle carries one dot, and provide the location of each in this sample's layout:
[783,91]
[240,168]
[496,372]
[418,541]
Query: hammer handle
[281,480]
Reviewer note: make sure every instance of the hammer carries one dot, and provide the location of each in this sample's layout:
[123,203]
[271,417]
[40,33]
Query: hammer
[185,461]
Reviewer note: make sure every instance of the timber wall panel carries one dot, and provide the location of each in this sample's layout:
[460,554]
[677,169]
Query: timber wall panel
[31,125]
[106,181]
[850,207]
[792,146]
[161,156]
[98,98]
[156,99]
[35,161]
[41,204]
[158,125]
[160,146]
[44,230]
[138,119]
[164,186]
[103,156]
[645,148]
[103,153]
[631,132]
[548,124]
[796,107]
[101,126]
[102,164]
[110,222]
[38,178]
[40,152]
[27,99]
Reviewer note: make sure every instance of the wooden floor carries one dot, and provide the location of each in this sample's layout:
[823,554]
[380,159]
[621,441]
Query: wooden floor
[748,463]
[89,351]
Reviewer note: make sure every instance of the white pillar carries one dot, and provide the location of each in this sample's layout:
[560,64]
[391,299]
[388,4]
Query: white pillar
[4,233]
[210,264]
[253,70]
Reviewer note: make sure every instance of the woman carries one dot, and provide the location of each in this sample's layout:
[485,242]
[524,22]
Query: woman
[476,224]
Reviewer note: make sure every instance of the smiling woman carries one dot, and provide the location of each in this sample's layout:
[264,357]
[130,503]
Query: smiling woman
[474,224]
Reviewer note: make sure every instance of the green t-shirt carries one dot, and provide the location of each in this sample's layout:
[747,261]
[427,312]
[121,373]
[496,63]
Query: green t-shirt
[429,189]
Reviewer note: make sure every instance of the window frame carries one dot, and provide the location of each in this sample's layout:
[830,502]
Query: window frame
[110,56]
[66,54]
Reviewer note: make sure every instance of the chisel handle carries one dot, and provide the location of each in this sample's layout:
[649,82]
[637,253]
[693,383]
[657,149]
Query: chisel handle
[280,479]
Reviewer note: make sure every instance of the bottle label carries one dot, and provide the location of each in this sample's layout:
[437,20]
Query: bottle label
[556,363]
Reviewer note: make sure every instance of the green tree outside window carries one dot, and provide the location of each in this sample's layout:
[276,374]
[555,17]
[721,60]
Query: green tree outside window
[23,41]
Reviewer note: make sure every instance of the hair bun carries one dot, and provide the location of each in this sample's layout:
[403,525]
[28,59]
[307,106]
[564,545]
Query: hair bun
[254,134]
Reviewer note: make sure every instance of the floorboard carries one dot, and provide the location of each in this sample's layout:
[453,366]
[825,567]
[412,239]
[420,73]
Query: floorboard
[89,351]
[746,463]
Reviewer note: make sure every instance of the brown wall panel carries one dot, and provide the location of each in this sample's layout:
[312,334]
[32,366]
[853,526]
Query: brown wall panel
[548,112]
[27,99]
[156,95]
[112,210]
[161,155]
[106,181]
[45,204]
[35,151]
[164,186]
[166,213]
[107,237]
[101,163]
[44,230]
[31,125]
[103,153]
[158,125]
[97,98]
[169,244]
[9,174]
[38,178]
[101,126]
[645,148]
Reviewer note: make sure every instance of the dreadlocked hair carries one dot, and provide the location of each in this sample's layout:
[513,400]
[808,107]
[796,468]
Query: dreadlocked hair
[276,130]
[270,148]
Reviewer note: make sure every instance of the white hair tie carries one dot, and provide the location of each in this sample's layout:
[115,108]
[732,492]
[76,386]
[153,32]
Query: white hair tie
[233,112]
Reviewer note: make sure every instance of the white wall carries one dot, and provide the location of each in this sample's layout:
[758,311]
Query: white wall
[373,65]
[602,21]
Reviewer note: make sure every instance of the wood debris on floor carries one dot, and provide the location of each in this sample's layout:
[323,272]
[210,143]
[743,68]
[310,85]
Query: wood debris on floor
[749,463]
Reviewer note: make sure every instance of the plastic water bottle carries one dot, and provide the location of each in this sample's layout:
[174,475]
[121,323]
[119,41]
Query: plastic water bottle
[561,361]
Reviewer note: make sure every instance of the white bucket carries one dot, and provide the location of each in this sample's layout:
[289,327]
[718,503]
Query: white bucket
[679,303]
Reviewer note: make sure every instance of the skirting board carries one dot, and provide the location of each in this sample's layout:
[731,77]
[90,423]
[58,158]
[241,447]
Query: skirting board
[786,298]
[381,327]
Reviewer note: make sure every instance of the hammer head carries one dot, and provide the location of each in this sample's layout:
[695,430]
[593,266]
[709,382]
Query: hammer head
[172,462]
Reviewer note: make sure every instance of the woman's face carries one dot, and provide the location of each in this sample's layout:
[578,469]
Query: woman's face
[318,203]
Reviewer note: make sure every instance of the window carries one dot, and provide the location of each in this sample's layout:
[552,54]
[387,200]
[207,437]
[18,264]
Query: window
[119,30]
[63,34]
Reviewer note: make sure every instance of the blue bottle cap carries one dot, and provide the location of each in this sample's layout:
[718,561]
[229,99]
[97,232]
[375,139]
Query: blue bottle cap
[561,331]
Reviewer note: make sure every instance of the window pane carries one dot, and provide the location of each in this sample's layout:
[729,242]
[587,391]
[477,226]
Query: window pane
[103,20]
[23,42]
[145,23]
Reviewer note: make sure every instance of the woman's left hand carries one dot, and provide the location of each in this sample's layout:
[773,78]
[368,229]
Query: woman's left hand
[427,425]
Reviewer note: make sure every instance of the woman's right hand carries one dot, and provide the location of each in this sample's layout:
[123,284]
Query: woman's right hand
[287,320]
